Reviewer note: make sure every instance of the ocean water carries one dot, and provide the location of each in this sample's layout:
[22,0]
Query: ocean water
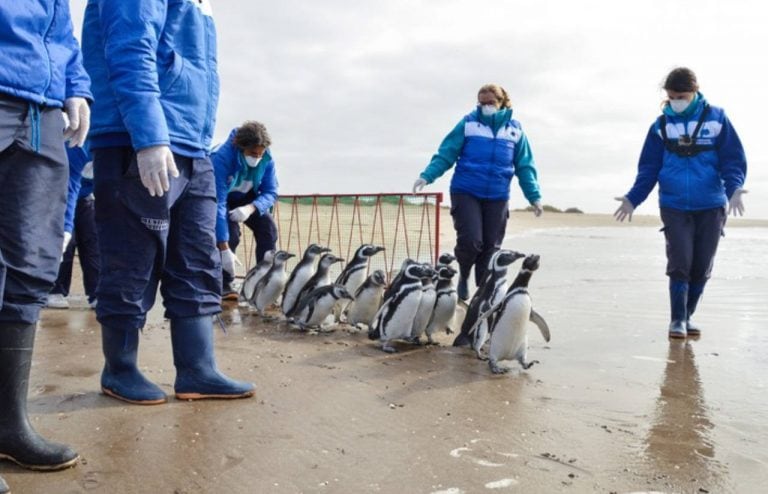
[696,409]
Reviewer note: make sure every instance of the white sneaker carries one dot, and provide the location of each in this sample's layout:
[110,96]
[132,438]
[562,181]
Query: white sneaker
[57,301]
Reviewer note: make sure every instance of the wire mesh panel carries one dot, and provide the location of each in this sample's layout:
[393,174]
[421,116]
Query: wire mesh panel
[406,225]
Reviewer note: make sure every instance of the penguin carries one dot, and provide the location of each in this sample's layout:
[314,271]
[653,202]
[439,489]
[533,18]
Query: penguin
[445,303]
[398,278]
[367,300]
[271,284]
[299,276]
[426,306]
[317,305]
[254,275]
[508,335]
[394,318]
[320,278]
[445,259]
[353,274]
[490,291]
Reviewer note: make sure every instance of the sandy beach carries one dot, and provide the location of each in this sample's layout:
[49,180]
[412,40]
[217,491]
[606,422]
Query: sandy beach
[612,406]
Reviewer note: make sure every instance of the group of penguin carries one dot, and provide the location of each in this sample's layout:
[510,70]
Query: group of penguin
[420,300]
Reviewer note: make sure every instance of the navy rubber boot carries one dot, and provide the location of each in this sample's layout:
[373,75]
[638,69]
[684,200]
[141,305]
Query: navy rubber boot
[121,378]
[678,301]
[694,294]
[19,442]
[197,376]
[462,288]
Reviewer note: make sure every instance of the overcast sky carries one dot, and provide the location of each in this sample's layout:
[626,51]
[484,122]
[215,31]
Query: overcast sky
[358,94]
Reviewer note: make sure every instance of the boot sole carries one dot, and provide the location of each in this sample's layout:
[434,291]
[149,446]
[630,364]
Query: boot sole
[43,468]
[112,394]
[677,336]
[200,396]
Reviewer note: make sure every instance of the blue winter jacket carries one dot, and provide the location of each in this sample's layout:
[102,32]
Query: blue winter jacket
[153,67]
[230,168]
[40,58]
[77,157]
[488,152]
[704,181]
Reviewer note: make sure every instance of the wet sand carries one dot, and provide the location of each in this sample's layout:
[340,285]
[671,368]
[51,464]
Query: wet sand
[612,406]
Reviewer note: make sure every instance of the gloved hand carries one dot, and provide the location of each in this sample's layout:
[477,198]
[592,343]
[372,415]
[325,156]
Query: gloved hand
[67,239]
[228,261]
[419,184]
[625,210]
[79,116]
[154,165]
[735,203]
[242,213]
[537,209]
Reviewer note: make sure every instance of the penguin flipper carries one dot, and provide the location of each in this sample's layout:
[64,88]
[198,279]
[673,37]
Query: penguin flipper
[541,323]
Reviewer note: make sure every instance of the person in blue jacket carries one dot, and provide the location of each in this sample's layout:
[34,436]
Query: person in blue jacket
[488,147]
[695,156]
[246,188]
[44,95]
[80,227]
[153,67]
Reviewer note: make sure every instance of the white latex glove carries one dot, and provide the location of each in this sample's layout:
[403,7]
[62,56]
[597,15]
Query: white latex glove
[537,209]
[419,184]
[79,120]
[625,210]
[242,213]
[228,261]
[736,203]
[67,239]
[154,165]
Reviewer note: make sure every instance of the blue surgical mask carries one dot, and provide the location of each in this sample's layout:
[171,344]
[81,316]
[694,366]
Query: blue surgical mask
[251,161]
[679,105]
[488,110]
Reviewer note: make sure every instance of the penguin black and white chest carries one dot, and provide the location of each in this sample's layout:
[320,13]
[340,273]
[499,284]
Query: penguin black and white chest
[426,305]
[270,286]
[508,321]
[320,278]
[367,299]
[393,286]
[354,273]
[317,305]
[253,276]
[394,318]
[303,271]
[445,302]
[490,290]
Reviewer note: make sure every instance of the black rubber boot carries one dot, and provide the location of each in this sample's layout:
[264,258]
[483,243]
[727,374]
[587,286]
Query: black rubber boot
[18,440]
[121,378]
[678,301]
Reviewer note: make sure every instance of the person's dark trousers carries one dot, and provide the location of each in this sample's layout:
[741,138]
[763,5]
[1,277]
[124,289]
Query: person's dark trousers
[85,240]
[480,227]
[263,228]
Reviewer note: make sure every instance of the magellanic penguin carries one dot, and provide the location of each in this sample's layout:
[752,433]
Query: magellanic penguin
[353,274]
[394,318]
[398,277]
[320,278]
[426,305]
[367,300]
[254,275]
[317,305]
[270,286]
[508,335]
[489,292]
[299,276]
[445,259]
[445,303]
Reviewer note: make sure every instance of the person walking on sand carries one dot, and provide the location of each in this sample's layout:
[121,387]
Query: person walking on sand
[153,67]
[41,80]
[246,188]
[488,147]
[694,154]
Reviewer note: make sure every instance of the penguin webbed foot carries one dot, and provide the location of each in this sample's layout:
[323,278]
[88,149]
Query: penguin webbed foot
[496,368]
[528,365]
[448,330]
[415,340]
[386,347]
[481,355]
[432,342]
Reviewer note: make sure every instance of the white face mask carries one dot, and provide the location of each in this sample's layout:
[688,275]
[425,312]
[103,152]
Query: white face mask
[88,171]
[488,110]
[252,161]
[679,105]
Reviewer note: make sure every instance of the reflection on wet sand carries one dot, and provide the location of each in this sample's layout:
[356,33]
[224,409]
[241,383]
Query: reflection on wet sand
[679,443]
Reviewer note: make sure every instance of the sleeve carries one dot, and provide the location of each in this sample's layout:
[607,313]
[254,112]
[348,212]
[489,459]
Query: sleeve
[525,169]
[77,158]
[733,161]
[651,159]
[447,154]
[221,170]
[267,193]
[131,31]
[77,81]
